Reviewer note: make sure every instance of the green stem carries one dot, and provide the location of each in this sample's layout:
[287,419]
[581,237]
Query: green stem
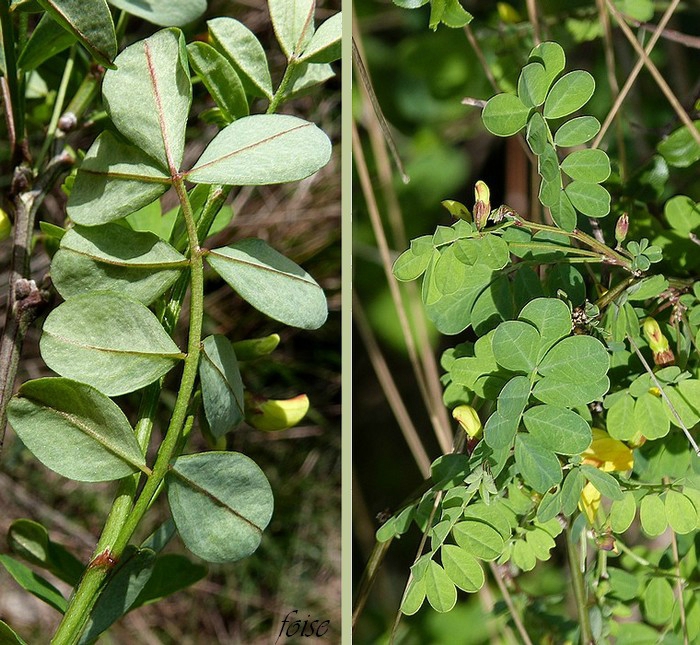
[283,86]
[89,586]
[16,102]
[57,107]
[579,589]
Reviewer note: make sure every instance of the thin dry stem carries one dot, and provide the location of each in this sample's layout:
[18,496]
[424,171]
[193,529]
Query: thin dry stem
[532,17]
[507,598]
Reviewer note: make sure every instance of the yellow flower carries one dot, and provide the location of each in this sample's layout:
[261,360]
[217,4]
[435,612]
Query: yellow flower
[606,454]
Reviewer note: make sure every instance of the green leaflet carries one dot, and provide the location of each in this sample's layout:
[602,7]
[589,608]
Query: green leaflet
[221,503]
[148,96]
[164,12]
[558,429]
[413,597]
[220,79]
[8,635]
[680,512]
[325,44]
[462,568]
[293,22]
[222,386]
[109,341]
[659,600]
[622,512]
[577,131]
[34,584]
[652,515]
[539,466]
[262,149]
[478,539]
[516,346]
[505,115]
[439,589]
[271,283]
[115,179]
[48,39]
[75,430]
[171,572]
[90,23]
[244,51]
[413,262]
[533,84]
[587,165]
[114,258]
[589,198]
[570,93]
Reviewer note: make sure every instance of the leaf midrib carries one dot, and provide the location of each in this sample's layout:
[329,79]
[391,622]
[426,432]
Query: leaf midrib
[110,350]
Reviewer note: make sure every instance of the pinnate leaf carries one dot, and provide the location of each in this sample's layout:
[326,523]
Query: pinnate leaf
[271,283]
[462,568]
[262,149]
[479,539]
[221,503]
[109,341]
[75,430]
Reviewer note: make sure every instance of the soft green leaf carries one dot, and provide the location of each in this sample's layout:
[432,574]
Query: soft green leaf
[539,466]
[109,341]
[533,84]
[91,23]
[621,420]
[550,506]
[505,115]
[604,482]
[658,601]
[588,198]
[494,305]
[33,583]
[164,12]
[551,317]
[262,149]
[685,398]
[113,258]
[622,512]
[570,93]
[568,394]
[150,219]
[306,76]
[551,55]
[563,212]
[571,491]
[478,539]
[120,592]
[271,283]
[516,346]
[75,430]
[650,416]
[219,78]
[114,179]
[576,359]
[623,585]
[439,589]
[537,135]
[540,542]
[493,251]
[222,386]
[48,39]
[648,288]
[221,503]
[244,52]
[567,278]
[523,555]
[7,634]
[587,165]
[171,573]
[148,96]
[680,149]
[652,515]
[491,514]
[325,44]
[558,429]
[413,596]
[548,164]
[680,512]
[30,540]
[413,262]
[293,22]
[462,568]
[577,131]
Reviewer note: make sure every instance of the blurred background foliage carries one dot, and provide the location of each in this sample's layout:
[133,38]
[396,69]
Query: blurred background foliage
[298,563]
[421,78]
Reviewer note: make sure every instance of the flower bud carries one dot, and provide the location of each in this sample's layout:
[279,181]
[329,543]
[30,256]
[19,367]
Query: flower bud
[271,415]
[469,420]
[621,228]
[5,225]
[482,205]
[663,355]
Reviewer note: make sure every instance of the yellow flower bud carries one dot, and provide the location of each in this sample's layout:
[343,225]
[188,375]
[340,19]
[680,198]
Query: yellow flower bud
[271,415]
[482,205]
[469,420]
[5,225]
[663,355]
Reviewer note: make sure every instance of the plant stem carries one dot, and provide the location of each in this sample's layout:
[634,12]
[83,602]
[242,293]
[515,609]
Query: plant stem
[579,589]
[15,106]
[282,89]
[57,107]
[89,586]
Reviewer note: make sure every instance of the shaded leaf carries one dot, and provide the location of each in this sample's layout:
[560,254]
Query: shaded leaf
[33,583]
[222,386]
[7,634]
[221,503]
[113,258]
[680,512]
[48,39]
[325,44]
[413,596]
[533,84]
[605,483]
[109,341]
[91,23]
[171,572]
[622,512]
[114,179]
[262,149]
[244,52]
[537,133]
[539,467]
[271,283]
[164,12]
[658,601]
[75,430]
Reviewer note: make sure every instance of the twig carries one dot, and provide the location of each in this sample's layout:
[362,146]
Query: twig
[25,298]
[679,580]
[576,569]
[508,599]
